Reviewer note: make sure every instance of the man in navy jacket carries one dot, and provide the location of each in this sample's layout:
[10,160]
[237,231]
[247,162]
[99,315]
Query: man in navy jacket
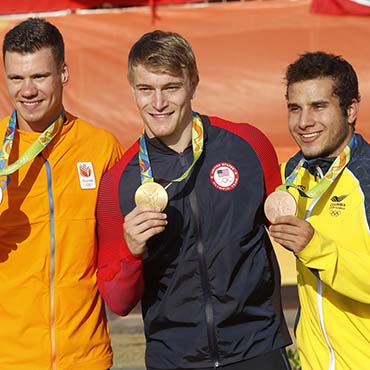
[181,225]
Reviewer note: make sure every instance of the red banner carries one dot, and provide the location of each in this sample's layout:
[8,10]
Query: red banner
[341,7]
[30,6]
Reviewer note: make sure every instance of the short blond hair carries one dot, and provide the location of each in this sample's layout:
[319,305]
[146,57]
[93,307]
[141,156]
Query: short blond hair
[163,52]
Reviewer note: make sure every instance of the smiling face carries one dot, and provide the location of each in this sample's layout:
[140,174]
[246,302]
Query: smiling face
[35,86]
[316,120]
[164,102]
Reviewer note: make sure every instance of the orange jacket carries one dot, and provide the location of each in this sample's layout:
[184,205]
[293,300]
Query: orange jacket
[51,314]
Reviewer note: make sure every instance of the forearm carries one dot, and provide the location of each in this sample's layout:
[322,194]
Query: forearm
[124,290]
[119,274]
[343,269]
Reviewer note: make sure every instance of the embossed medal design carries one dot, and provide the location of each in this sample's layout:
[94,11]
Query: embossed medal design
[279,203]
[151,194]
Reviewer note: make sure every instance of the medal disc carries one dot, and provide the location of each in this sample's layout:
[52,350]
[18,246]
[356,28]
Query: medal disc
[151,194]
[279,203]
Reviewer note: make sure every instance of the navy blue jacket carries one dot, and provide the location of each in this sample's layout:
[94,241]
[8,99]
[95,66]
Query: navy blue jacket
[210,283]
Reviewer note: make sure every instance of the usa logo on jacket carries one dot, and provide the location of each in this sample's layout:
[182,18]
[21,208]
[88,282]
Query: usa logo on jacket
[224,176]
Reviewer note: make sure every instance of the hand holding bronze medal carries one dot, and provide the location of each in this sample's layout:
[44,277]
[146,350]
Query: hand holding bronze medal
[282,203]
[151,194]
[279,203]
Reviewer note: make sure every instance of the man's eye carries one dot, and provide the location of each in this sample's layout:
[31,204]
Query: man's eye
[320,106]
[293,109]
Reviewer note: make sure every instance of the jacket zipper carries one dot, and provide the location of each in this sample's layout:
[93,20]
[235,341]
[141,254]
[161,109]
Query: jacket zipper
[212,341]
[320,309]
[52,268]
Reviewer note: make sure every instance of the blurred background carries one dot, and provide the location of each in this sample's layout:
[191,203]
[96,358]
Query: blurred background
[242,49]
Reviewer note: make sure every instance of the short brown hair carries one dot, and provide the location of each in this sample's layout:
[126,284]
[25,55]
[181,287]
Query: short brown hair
[163,52]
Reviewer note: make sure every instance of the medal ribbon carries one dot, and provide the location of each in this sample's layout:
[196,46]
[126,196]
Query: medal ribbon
[335,169]
[42,141]
[146,174]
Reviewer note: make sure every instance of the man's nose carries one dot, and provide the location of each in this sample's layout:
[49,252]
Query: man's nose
[159,100]
[305,119]
[28,88]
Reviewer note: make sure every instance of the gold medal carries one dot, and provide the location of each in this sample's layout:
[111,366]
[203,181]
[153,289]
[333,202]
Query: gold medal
[151,194]
[279,203]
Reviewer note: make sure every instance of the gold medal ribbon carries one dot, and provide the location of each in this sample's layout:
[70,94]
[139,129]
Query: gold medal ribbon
[197,138]
[42,141]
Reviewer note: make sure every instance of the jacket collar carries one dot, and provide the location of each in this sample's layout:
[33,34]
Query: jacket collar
[158,145]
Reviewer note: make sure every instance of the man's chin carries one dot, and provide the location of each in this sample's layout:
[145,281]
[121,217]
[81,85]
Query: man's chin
[312,155]
[309,156]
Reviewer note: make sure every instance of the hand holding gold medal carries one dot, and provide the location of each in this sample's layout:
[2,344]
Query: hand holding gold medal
[279,203]
[151,194]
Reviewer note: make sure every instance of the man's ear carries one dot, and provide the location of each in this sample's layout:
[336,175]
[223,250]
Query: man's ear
[194,87]
[352,112]
[65,74]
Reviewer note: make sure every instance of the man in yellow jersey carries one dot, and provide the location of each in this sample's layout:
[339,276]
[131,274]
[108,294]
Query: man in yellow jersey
[51,163]
[330,180]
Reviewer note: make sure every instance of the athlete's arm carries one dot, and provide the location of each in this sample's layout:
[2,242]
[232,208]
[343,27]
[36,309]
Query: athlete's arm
[120,278]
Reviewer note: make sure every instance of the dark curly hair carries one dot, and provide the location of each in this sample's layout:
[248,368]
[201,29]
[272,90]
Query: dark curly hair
[320,64]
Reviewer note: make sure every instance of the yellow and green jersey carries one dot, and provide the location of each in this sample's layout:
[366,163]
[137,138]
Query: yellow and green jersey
[333,270]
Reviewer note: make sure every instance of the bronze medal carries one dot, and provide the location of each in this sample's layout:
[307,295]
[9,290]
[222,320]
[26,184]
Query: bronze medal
[151,194]
[279,203]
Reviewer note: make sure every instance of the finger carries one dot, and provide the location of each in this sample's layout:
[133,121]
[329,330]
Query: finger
[142,210]
[284,243]
[279,229]
[288,220]
[143,237]
[285,237]
[144,226]
[144,218]
[137,237]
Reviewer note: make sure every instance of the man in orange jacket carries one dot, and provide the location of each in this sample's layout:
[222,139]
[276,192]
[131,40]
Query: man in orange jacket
[51,163]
